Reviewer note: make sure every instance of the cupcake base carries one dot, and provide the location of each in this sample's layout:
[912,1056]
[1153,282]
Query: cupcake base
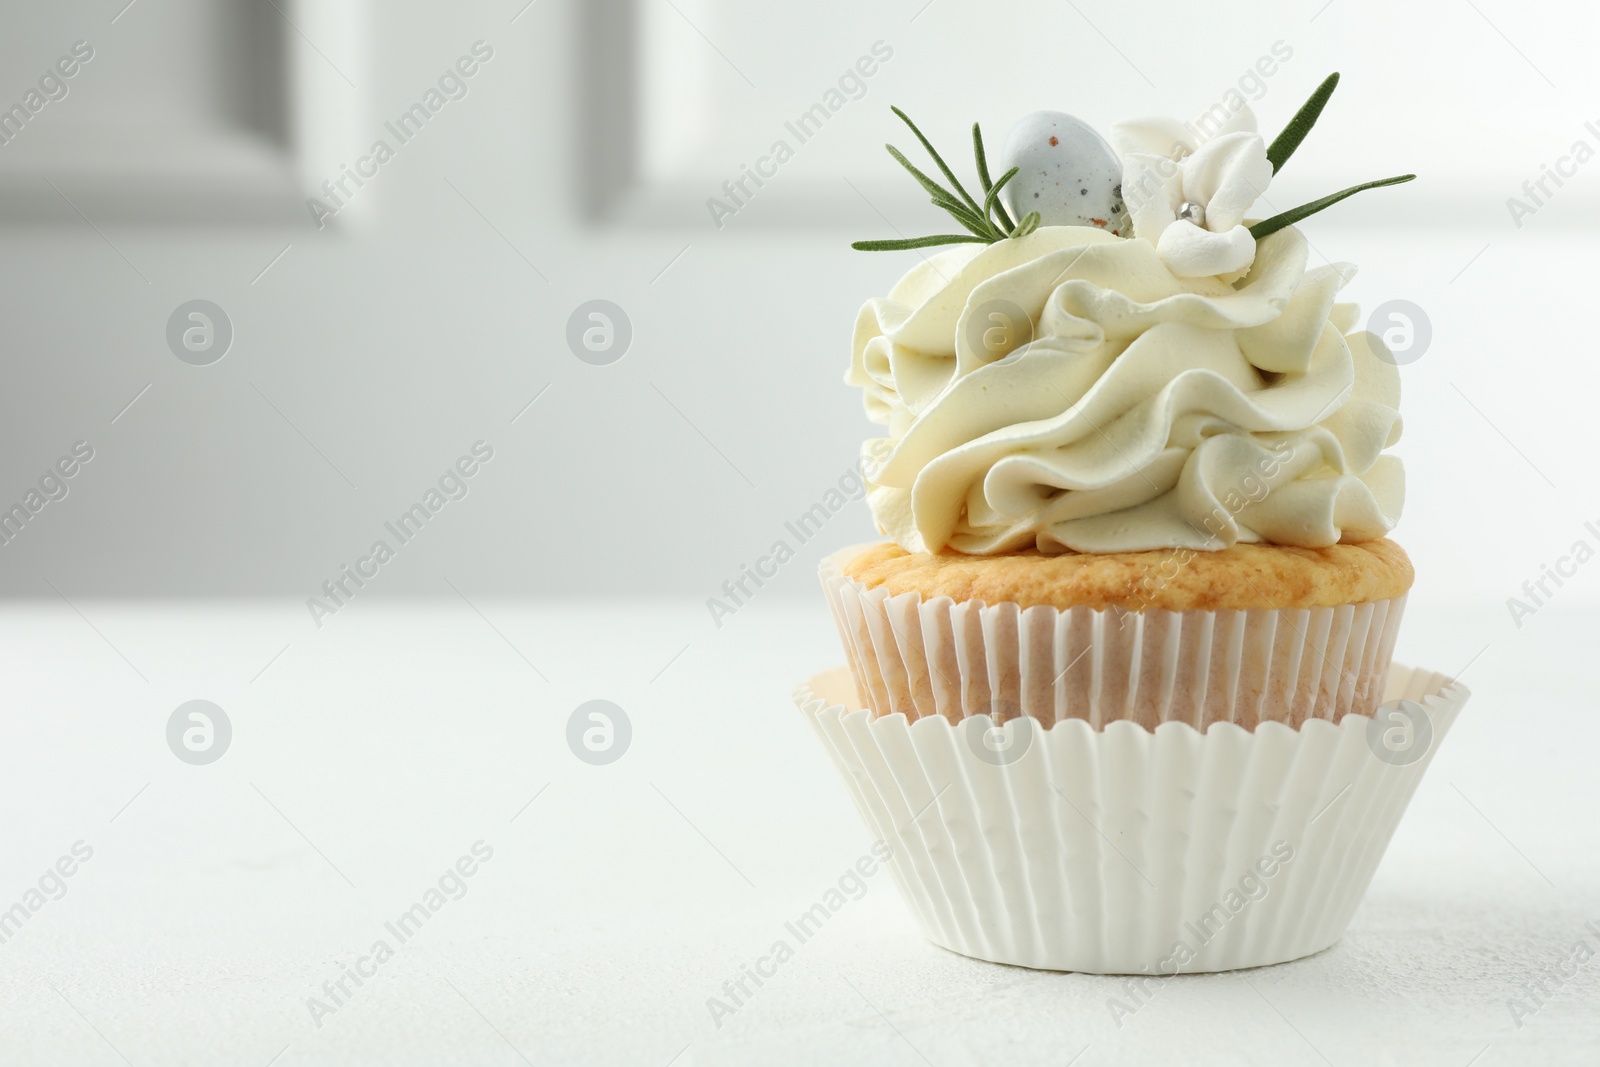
[919,655]
[1129,851]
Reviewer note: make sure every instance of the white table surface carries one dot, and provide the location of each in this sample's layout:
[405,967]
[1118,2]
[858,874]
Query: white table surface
[372,753]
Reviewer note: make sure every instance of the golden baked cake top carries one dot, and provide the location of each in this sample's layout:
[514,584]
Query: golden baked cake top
[1237,578]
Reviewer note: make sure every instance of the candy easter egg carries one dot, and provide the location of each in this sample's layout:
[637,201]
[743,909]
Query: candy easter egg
[1065,171]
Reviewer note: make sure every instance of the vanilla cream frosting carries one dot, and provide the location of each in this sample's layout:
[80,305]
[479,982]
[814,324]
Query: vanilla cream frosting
[1067,390]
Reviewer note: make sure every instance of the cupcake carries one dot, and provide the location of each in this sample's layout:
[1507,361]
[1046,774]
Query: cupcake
[1128,646]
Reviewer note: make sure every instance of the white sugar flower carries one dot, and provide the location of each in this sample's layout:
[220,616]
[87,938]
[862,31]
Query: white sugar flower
[1174,139]
[1190,202]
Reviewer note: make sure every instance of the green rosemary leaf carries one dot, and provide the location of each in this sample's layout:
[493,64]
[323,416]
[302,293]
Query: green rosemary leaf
[982,161]
[991,205]
[900,244]
[971,219]
[1029,223]
[979,227]
[944,168]
[940,194]
[1286,142]
[992,201]
[1295,214]
[980,221]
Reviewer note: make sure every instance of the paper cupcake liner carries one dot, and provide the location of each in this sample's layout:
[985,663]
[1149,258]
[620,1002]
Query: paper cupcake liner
[1131,851]
[919,657]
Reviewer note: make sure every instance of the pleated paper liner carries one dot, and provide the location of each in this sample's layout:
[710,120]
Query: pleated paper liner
[1129,851]
[918,657]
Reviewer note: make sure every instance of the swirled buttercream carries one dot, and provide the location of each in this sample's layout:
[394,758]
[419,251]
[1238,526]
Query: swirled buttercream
[1067,391]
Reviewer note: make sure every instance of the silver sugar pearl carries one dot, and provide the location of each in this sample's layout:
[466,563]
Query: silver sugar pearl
[1190,211]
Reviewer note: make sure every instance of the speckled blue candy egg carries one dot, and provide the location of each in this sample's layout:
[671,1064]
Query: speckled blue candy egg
[1066,172]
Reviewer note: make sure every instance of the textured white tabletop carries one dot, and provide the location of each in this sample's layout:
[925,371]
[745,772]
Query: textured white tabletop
[369,757]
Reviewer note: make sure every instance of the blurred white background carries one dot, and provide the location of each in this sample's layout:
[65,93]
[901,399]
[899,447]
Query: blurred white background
[368,356]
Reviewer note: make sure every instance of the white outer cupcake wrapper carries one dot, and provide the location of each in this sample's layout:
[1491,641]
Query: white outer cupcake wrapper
[920,657]
[1092,850]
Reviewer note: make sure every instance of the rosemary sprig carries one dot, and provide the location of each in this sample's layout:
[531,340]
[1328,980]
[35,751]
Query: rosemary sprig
[991,202]
[902,243]
[1295,214]
[940,196]
[990,188]
[1283,147]
[1285,143]
[974,225]
[938,160]
[985,223]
